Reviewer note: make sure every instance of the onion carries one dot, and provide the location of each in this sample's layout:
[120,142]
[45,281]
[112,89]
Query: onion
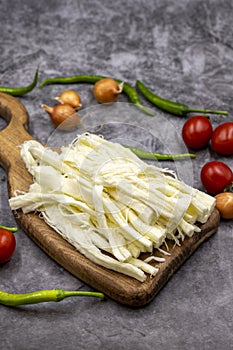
[71,98]
[63,116]
[107,90]
[224,204]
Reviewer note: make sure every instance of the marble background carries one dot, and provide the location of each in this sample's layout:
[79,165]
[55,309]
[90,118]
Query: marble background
[183,50]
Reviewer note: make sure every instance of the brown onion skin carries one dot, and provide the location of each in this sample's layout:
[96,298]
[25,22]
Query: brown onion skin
[106,90]
[224,204]
[63,116]
[71,98]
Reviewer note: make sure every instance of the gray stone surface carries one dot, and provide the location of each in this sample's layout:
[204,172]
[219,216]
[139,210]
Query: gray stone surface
[184,51]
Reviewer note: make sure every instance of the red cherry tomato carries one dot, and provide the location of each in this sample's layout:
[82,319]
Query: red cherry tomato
[216,176]
[222,139]
[7,245]
[197,132]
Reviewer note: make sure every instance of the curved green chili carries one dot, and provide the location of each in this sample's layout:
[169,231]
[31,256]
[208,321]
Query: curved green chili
[20,91]
[12,229]
[159,156]
[92,79]
[42,296]
[170,106]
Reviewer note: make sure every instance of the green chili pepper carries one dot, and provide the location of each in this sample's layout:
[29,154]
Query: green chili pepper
[159,156]
[42,296]
[170,106]
[12,229]
[92,79]
[20,91]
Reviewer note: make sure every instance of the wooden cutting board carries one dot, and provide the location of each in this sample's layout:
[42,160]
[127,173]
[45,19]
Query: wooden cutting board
[123,289]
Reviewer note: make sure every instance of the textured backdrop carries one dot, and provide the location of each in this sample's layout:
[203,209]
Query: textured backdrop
[183,50]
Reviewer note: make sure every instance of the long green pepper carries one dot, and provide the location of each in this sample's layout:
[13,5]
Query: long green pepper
[42,296]
[92,79]
[159,156]
[175,108]
[11,229]
[20,91]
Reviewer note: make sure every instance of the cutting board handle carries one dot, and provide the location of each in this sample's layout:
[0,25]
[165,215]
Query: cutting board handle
[15,133]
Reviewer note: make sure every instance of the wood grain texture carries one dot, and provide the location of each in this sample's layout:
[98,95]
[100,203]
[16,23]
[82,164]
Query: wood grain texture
[123,289]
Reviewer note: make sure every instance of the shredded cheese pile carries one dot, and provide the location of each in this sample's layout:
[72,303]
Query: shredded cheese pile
[110,205]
